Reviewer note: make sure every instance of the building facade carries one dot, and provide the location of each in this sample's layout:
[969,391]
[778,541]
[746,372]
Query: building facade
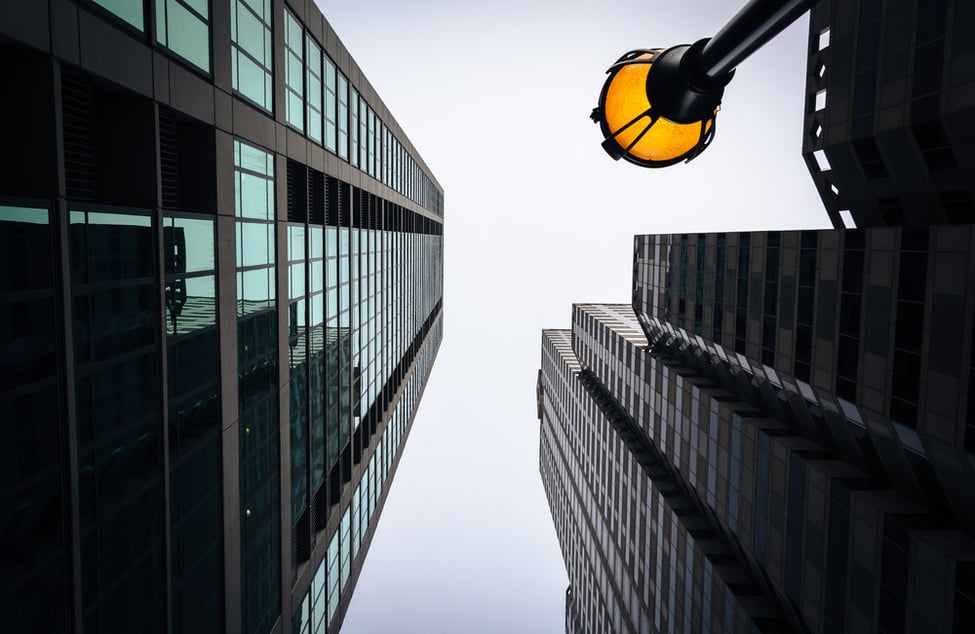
[220,300]
[890,103]
[778,434]
[805,396]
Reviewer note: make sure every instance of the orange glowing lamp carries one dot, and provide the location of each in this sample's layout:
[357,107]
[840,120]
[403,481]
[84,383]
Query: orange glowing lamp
[648,112]
[658,106]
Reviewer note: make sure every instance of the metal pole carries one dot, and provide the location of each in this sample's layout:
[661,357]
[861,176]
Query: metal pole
[754,25]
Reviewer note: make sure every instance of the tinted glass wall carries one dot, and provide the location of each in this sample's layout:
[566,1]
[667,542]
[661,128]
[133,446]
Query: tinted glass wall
[33,524]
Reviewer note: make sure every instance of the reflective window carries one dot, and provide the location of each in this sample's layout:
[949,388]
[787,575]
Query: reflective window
[331,132]
[257,388]
[314,101]
[251,54]
[188,252]
[128,10]
[294,71]
[115,325]
[363,161]
[183,27]
[371,149]
[343,116]
[254,178]
[299,370]
[30,481]
[195,477]
[354,128]
[26,318]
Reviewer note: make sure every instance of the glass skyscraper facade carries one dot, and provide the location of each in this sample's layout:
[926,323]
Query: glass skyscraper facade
[220,300]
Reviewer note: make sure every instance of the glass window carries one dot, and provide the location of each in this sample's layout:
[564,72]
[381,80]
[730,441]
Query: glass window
[317,243]
[314,100]
[128,10]
[363,135]
[294,71]
[254,159]
[183,27]
[254,180]
[371,164]
[354,128]
[110,247]
[255,290]
[343,116]
[194,420]
[257,243]
[251,58]
[24,249]
[189,245]
[331,141]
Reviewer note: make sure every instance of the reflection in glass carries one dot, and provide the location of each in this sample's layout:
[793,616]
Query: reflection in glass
[198,310]
[188,255]
[330,104]
[255,290]
[314,79]
[293,71]
[182,26]
[129,11]
[251,59]
[256,244]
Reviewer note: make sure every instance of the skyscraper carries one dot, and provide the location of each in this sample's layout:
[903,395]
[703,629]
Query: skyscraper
[889,128]
[773,435]
[220,301]
[778,433]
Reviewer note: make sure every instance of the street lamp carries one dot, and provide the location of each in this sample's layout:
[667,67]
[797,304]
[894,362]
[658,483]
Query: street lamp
[658,106]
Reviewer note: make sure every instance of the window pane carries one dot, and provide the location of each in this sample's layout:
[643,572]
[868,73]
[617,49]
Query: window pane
[255,290]
[257,240]
[25,246]
[292,32]
[190,305]
[128,10]
[252,71]
[200,6]
[184,33]
[296,281]
[330,105]
[253,198]
[295,107]
[250,34]
[189,245]
[343,116]
[294,71]
[317,244]
[296,243]
[253,158]
[250,79]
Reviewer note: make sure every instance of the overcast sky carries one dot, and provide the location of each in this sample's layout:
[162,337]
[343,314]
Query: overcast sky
[496,97]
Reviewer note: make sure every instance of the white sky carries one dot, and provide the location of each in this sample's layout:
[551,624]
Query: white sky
[496,97]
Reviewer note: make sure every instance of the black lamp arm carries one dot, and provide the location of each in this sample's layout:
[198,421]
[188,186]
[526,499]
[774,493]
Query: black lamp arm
[754,25]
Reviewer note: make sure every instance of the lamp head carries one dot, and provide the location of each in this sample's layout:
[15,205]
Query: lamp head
[655,110]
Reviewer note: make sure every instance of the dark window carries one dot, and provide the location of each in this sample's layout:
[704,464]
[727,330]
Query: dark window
[848,344]
[719,290]
[964,598]
[741,305]
[911,290]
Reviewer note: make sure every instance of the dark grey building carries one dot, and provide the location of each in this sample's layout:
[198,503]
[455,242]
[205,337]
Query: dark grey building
[779,433]
[803,399]
[889,132]
[220,300]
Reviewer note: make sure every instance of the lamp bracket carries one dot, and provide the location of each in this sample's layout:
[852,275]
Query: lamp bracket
[679,93]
